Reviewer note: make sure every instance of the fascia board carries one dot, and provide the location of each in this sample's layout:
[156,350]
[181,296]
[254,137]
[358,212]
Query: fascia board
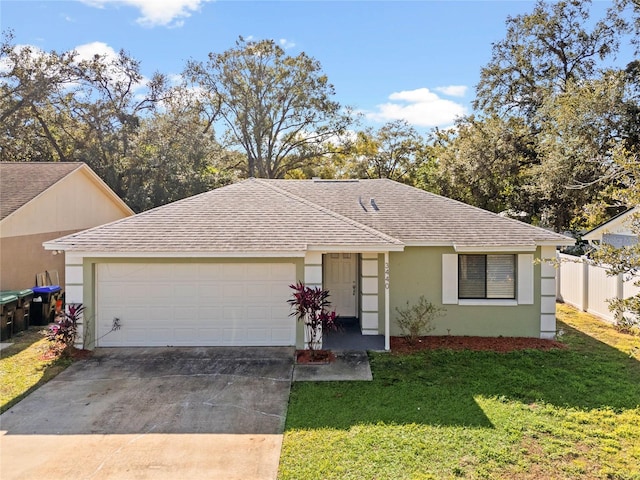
[194,254]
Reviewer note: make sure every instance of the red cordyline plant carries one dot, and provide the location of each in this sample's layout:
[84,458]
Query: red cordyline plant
[64,329]
[311,307]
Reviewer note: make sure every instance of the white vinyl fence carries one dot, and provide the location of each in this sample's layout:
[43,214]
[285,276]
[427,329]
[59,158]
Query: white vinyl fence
[586,286]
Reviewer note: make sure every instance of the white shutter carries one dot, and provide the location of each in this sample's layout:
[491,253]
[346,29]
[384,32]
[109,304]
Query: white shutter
[525,279]
[449,279]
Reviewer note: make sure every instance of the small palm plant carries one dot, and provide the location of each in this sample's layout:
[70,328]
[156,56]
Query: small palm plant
[62,333]
[311,306]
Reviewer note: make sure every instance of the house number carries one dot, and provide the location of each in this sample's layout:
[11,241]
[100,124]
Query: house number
[386,275]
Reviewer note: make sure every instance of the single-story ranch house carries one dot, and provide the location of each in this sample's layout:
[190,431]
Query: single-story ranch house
[215,269]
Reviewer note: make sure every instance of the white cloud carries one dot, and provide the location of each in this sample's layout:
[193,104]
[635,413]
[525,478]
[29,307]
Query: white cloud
[420,107]
[286,44]
[453,90]
[90,50]
[169,13]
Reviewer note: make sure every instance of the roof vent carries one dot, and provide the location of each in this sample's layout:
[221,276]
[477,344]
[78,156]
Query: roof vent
[362,204]
[373,204]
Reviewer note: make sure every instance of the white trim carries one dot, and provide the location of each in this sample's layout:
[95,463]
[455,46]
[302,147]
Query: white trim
[485,248]
[525,279]
[355,248]
[552,243]
[449,279]
[387,308]
[428,244]
[488,302]
[313,274]
[494,248]
[313,258]
[193,254]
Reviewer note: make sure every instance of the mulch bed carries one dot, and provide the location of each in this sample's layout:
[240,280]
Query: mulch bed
[493,344]
[69,352]
[321,357]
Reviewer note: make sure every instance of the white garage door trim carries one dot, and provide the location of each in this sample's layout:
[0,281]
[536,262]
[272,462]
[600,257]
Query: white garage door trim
[194,304]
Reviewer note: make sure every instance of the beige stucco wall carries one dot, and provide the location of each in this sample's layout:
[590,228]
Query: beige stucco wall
[418,271]
[21,258]
[75,203]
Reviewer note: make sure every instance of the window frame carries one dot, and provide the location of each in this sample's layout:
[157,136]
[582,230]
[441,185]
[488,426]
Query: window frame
[514,264]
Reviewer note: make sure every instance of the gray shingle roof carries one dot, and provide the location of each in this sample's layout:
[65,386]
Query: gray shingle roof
[259,215]
[415,216]
[250,216]
[21,182]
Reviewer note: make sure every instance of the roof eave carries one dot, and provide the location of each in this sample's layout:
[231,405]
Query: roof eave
[356,248]
[494,248]
[190,254]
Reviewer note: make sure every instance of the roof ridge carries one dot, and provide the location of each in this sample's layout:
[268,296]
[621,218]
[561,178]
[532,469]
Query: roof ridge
[328,211]
[514,221]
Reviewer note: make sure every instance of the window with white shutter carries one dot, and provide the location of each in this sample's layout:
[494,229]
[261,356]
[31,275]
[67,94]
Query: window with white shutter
[486,276]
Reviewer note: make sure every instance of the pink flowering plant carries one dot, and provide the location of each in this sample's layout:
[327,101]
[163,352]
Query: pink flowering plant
[311,306]
[65,328]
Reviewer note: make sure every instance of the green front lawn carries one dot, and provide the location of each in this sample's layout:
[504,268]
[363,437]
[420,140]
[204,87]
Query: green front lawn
[23,368]
[572,413]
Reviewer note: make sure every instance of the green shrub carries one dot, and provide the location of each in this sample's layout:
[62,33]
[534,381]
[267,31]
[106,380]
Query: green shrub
[417,320]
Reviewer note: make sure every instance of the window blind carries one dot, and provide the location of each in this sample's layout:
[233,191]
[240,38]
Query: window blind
[486,276]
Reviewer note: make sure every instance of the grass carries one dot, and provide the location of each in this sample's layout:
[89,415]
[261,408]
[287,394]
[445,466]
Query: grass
[23,368]
[571,413]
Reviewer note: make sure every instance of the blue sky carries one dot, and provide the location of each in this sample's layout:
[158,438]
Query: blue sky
[416,60]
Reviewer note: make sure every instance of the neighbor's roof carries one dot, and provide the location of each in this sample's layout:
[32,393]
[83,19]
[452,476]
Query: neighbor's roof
[259,215]
[21,182]
[616,220]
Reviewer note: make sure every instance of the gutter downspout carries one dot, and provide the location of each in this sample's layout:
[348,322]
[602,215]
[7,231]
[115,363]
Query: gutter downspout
[387,308]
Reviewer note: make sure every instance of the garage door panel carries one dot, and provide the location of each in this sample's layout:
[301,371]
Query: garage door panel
[186,293]
[259,290]
[209,272]
[281,272]
[210,294]
[153,293]
[258,334]
[233,290]
[281,335]
[234,272]
[280,290]
[195,304]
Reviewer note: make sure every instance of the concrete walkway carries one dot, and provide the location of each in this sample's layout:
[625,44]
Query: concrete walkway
[156,413]
[348,366]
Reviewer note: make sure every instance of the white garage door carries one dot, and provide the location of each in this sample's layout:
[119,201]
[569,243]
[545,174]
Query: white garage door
[203,304]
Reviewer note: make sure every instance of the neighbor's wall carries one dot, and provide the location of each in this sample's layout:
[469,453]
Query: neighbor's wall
[74,203]
[23,257]
[418,271]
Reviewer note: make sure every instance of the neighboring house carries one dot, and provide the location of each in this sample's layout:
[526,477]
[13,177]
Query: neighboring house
[215,269]
[40,201]
[616,232]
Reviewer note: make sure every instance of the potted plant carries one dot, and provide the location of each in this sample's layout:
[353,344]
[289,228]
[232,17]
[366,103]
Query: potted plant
[311,306]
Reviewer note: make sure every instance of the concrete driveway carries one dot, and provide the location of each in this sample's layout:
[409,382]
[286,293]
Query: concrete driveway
[153,413]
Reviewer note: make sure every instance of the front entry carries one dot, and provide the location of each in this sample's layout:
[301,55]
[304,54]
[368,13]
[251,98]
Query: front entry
[340,279]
